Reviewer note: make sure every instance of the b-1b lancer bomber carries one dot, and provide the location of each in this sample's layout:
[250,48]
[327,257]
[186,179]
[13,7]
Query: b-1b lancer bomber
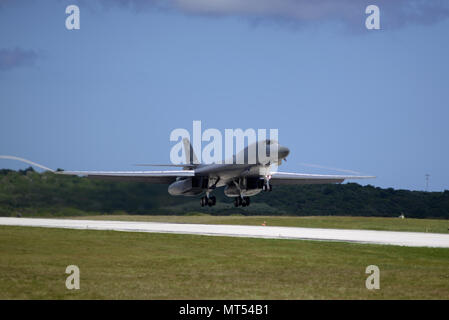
[241,179]
[245,175]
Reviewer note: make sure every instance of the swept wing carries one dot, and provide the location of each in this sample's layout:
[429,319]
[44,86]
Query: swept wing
[168,176]
[285,178]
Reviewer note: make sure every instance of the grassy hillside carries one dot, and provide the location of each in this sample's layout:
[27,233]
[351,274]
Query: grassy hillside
[128,265]
[29,193]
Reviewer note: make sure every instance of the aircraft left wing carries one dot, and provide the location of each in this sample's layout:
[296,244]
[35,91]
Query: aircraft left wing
[283,178]
[138,176]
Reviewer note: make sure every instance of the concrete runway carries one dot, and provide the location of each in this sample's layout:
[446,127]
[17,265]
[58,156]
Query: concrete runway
[410,239]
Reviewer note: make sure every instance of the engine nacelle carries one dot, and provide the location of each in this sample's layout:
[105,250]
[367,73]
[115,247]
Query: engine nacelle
[248,186]
[188,187]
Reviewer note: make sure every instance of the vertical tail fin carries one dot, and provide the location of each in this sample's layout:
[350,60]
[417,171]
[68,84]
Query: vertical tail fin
[190,154]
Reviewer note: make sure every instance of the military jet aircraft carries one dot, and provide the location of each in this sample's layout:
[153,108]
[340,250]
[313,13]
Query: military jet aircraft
[241,179]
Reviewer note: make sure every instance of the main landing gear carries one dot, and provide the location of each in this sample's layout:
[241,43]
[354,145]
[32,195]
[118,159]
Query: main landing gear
[208,201]
[242,201]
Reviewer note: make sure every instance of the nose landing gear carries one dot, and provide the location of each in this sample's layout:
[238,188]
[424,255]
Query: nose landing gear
[266,184]
[267,187]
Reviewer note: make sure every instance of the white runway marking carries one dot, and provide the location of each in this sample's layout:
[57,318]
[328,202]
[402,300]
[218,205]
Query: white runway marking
[411,239]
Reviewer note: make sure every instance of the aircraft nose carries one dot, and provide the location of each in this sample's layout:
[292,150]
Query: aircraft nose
[283,152]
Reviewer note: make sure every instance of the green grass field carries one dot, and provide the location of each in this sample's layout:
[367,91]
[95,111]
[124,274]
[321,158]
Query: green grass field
[364,223]
[125,265]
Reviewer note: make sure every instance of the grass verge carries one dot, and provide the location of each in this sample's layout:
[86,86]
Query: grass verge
[125,265]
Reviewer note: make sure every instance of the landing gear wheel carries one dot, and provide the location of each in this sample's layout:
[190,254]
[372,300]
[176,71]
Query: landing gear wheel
[238,201]
[241,201]
[205,201]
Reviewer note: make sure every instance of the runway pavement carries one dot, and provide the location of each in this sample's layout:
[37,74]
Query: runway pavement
[410,239]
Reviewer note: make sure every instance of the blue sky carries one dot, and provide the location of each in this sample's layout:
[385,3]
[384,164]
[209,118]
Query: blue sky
[108,95]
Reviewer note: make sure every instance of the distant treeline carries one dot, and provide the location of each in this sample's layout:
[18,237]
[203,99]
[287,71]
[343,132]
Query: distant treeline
[29,193]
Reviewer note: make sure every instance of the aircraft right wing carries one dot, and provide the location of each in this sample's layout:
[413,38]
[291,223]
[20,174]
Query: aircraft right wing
[284,178]
[137,176]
